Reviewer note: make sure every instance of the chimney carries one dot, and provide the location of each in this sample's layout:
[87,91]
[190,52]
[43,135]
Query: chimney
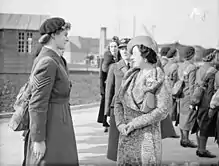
[102,41]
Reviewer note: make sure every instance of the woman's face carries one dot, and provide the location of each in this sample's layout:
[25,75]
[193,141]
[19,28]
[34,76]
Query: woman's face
[136,58]
[124,53]
[113,47]
[61,39]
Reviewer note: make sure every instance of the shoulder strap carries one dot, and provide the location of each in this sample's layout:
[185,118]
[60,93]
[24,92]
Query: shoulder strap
[209,72]
[185,72]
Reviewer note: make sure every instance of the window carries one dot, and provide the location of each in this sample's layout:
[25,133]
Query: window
[29,41]
[24,42]
[21,42]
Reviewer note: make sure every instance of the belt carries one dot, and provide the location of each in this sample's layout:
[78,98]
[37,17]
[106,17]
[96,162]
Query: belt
[59,100]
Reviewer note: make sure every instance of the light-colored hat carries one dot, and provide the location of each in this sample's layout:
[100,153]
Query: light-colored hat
[143,40]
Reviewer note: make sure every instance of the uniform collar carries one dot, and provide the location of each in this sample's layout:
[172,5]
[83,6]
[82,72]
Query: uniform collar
[52,53]
[48,47]
[121,64]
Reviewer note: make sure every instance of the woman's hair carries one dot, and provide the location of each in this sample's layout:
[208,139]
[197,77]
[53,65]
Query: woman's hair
[47,36]
[37,50]
[114,39]
[147,53]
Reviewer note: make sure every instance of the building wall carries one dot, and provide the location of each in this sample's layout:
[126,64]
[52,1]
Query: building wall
[1,51]
[67,56]
[78,57]
[14,61]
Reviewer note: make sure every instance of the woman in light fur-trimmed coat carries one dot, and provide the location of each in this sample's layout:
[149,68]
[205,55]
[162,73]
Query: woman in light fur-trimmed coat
[140,106]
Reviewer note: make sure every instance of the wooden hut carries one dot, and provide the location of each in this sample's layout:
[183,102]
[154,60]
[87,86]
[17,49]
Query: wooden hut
[18,37]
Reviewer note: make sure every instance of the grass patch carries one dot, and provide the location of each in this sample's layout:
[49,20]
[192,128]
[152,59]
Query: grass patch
[85,89]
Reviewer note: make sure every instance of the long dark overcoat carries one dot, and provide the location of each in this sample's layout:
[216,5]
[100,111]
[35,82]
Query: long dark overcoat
[186,70]
[113,83]
[49,110]
[206,125]
[104,68]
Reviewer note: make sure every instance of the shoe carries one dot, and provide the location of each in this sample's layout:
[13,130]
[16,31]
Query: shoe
[188,144]
[106,130]
[175,136]
[183,143]
[205,153]
[191,144]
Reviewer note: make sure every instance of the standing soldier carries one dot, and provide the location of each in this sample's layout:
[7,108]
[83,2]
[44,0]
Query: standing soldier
[114,79]
[51,137]
[186,72]
[170,70]
[206,122]
[110,56]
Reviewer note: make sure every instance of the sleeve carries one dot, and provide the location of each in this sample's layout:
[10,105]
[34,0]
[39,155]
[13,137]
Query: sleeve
[118,111]
[110,90]
[215,100]
[192,77]
[102,79]
[108,59]
[42,81]
[217,81]
[157,114]
[174,75]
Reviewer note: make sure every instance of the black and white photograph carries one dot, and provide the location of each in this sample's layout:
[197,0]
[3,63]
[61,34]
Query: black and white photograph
[109,83]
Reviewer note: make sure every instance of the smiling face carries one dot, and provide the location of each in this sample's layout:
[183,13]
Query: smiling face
[136,58]
[113,47]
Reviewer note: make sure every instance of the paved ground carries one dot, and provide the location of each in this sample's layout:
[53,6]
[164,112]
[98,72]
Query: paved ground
[92,144]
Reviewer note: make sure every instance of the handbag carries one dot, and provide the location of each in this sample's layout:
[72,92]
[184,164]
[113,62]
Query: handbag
[20,118]
[178,88]
[149,103]
[179,85]
[200,88]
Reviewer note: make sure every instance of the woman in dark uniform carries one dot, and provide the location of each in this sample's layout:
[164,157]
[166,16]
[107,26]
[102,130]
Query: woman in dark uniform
[111,56]
[51,137]
[187,72]
[206,125]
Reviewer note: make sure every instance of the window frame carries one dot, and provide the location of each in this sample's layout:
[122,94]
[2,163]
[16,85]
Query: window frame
[22,41]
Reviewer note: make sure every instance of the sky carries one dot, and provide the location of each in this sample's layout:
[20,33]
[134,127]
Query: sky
[170,18]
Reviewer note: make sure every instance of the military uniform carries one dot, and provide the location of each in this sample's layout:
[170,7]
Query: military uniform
[113,83]
[49,110]
[104,67]
[188,90]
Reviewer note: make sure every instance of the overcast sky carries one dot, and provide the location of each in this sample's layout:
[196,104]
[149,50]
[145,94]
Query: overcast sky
[171,17]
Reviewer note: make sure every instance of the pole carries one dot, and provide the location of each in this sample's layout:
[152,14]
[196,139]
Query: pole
[153,31]
[102,41]
[134,25]
[217,21]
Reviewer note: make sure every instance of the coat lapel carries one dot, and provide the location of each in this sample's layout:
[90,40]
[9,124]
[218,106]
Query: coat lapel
[57,58]
[122,66]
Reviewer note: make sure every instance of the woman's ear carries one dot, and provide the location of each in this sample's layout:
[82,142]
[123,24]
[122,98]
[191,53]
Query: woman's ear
[52,35]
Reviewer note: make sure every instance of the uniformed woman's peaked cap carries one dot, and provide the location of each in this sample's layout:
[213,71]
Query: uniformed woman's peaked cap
[143,40]
[51,25]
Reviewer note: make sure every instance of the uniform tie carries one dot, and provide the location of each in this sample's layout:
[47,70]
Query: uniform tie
[128,65]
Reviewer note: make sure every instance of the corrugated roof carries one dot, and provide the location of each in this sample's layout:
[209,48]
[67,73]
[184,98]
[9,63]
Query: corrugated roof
[21,21]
